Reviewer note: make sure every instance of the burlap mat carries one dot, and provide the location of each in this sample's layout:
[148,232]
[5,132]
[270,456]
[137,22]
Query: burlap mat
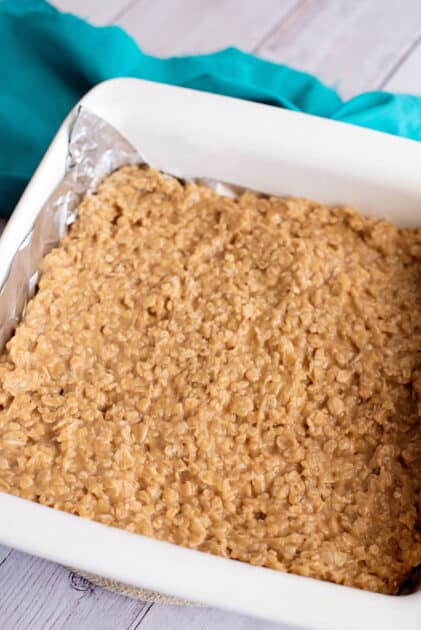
[133,591]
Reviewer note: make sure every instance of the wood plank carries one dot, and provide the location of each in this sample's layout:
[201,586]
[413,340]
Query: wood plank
[40,595]
[166,617]
[4,554]
[407,76]
[99,13]
[351,45]
[198,26]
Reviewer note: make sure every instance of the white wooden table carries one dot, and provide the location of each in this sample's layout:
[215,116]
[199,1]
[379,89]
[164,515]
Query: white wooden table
[356,45]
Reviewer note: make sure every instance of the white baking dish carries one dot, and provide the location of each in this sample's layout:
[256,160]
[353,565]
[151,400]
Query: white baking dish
[271,150]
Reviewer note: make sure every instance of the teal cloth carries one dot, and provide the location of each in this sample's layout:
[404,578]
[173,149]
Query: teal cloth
[50,59]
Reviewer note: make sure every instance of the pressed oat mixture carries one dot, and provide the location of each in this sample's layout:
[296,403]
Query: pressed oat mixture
[239,376]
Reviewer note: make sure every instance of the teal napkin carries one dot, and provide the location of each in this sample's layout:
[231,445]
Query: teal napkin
[50,59]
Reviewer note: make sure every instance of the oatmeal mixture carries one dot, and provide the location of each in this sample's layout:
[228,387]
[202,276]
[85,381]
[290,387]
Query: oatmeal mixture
[238,376]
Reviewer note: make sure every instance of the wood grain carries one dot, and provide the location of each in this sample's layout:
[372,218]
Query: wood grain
[40,595]
[4,554]
[406,76]
[179,617]
[350,45]
[193,26]
[98,12]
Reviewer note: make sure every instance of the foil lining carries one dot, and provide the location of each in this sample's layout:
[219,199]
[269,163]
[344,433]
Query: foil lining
[95,149]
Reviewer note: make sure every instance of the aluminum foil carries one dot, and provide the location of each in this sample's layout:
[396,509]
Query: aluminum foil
[95,149]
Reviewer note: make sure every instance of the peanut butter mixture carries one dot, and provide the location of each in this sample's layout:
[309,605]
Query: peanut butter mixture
[237,376]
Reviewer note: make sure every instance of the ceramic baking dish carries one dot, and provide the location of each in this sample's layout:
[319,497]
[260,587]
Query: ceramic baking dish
[271,150]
